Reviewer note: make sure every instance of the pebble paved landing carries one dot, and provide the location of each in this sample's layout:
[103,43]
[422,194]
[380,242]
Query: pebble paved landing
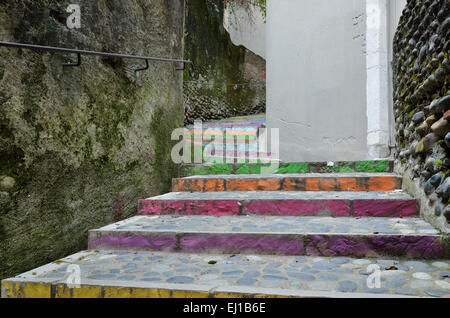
[331,276]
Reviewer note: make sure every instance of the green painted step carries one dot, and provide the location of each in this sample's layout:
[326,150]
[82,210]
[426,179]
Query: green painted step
[288,167]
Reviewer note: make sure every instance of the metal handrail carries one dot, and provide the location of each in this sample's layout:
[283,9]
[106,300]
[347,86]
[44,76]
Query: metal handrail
[106,54]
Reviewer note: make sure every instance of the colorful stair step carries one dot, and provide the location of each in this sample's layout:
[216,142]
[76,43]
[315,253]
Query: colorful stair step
[313,236]
[233,146]
[290,182]
[288,167]
[282,203]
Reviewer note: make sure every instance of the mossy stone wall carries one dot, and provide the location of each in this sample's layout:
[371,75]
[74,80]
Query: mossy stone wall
[80,145]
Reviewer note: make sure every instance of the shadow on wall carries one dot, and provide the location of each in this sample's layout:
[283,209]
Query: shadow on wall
[229,79]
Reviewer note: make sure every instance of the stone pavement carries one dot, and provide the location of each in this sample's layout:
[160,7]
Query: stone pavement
[378,166]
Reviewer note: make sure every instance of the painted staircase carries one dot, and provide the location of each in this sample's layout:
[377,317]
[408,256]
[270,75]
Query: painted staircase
[247,235]
[332,229]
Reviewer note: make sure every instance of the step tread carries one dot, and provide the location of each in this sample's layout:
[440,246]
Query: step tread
[230,275]
[297,175]
[285,225]
[284,195]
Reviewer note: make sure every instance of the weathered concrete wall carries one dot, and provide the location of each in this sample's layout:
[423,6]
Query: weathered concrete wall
[316,82]
[80,146]
[334,83]
[421,69]
[229,80]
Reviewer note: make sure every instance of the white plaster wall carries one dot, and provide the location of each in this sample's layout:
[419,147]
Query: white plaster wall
[316,78]
[377,79]
[246,28]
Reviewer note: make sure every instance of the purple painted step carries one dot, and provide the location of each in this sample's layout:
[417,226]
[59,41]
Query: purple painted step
[283,203]
[321,236]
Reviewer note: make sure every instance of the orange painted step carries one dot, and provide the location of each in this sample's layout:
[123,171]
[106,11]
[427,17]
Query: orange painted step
[381,182]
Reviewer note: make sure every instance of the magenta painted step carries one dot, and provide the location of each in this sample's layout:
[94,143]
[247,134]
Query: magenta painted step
[291,203]
[231,236]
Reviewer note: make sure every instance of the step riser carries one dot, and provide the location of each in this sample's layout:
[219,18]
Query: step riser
[232,124]
[231,143]
[287,184]
[13,289]
[216,133]
[286,167]
[242,154]
[241,147]
[336,208]
[57,290]
[427,247]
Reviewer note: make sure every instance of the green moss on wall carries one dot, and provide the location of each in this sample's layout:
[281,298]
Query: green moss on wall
[212,93]
[162,126]
[84,143]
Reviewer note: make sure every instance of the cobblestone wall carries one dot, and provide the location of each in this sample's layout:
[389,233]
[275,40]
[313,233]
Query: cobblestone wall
[421,67]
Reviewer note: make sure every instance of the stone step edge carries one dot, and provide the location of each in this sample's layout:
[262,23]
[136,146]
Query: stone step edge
[426,246]
[287,167]
[291,207]
[289,183]
[17,288]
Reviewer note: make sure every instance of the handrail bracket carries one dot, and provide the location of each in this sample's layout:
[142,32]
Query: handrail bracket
[78,63]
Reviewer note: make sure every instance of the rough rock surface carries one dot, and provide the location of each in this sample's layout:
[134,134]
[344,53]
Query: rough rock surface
[82,144]
[421,102]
